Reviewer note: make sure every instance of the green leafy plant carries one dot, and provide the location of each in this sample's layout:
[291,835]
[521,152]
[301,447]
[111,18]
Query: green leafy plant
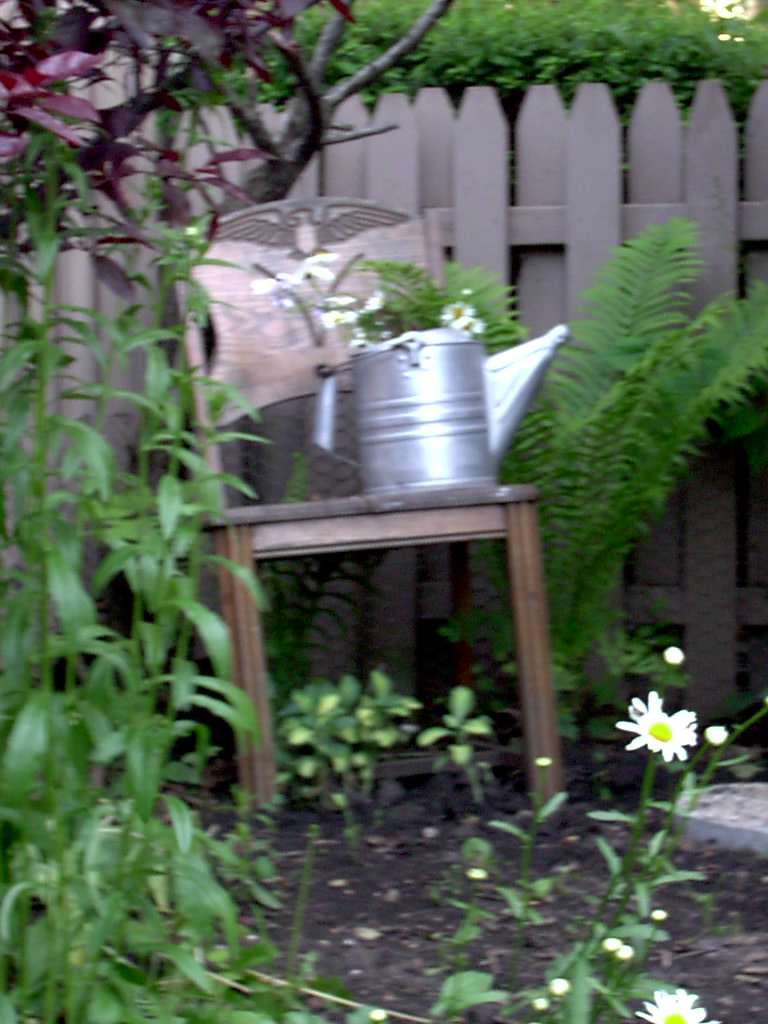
[621,411]
[461,729]
[112,906]
[603,971]
[333,736]
[464,990]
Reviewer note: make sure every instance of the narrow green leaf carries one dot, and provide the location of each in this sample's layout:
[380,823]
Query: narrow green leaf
[552,805]
[73,604]
[611,816]
[7,1010]
[579,999]
[27,746]
[609,855]
[181,819]
[190,967]
[429,736]
[170,501]
[7,908]
[507,826]
[213,632]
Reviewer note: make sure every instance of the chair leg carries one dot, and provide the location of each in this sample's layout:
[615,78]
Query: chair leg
[529,607]
[256,761]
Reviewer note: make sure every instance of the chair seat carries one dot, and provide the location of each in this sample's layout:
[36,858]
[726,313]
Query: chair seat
[366,522]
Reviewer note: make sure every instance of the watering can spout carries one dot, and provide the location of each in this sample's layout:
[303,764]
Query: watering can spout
[512,378]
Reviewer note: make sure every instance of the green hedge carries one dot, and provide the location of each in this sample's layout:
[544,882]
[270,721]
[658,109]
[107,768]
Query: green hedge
[512,45]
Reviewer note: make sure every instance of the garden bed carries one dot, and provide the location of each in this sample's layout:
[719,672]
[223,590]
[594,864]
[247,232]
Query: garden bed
[381,909]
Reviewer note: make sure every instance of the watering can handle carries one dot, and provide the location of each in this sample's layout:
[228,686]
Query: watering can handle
[325,409]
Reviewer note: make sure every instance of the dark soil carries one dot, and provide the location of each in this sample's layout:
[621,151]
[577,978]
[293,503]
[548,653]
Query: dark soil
[381,909]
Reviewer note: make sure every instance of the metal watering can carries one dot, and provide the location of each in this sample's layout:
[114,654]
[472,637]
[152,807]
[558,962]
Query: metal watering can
[433,410]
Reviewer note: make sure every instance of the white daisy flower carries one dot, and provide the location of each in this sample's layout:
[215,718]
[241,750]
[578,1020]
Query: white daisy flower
[456,313]
[663,734]
[374,303]
[674,1008]
[338,317]
[263,285]
[317,267]
[339,301]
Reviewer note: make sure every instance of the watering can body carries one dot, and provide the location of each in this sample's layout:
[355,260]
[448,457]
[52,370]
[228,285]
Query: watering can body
[433,410]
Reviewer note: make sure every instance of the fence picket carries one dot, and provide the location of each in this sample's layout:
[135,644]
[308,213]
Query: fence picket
[712,189]
[435,123]
[593,187]
[481,182]
[342,166]
[392,167]
[540,185]
[654,186]
[756,181]
[568,210]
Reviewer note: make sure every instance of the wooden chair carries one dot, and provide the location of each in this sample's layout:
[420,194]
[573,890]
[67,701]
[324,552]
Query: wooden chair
[270,357]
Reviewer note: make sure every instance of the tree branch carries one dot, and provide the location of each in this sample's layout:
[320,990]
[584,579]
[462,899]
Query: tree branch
[350,134]
[252,122]
[386,60]
[305,125]
[329,39]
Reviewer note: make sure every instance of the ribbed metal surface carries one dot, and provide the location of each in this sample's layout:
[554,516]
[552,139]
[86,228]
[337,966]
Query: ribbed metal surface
[421,417]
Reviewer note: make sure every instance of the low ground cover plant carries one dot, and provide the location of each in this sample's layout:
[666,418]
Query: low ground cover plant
[598,973]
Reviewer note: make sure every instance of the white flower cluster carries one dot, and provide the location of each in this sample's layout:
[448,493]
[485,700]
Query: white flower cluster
[298,291]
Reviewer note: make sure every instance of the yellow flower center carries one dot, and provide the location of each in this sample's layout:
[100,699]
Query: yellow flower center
[662,732]
[675,1018]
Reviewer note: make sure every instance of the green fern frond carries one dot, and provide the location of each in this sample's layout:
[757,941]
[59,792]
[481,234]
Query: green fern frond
[617,423]
[636,297]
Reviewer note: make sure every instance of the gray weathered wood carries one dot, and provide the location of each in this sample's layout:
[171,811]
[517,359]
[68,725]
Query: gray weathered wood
[756,175]
[710,582]
[655,128]
[711,174]
[435,121]
[342,170]
[540,137]
[593,187]
[481,182]
[392,158]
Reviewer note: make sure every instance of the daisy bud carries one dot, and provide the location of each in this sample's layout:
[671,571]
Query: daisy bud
[540,1003]
[543,762]
[673,656]
[659,914]
[559,987]
[378,1016]
[611,944]
[716,735]
[477,874]
[624,952]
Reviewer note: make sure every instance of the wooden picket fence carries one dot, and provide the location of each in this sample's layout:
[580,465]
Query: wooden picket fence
[541,196]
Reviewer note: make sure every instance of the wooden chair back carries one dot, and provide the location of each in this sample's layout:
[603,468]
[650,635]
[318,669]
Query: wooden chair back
[269,353]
